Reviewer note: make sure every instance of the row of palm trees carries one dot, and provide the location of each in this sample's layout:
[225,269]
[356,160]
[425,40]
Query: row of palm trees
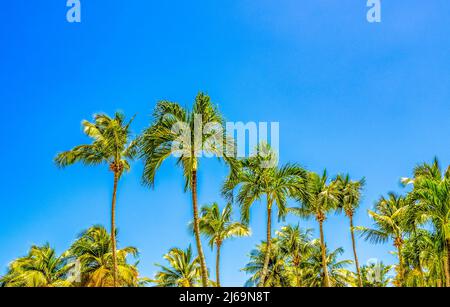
[295,261]
[418,223]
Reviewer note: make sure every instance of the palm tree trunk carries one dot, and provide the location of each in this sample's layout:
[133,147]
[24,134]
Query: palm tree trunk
[422,276]
[400,265]
[358,270]
[419,264]
[447,264]
[299,281]
[113,229]
[204,271]
[218,264]
[326,279]
[268,245]
[298,274]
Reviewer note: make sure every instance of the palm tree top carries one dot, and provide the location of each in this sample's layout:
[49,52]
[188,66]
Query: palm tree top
[110,144]
[218,226]
[321,196]
[186,135]
[41,267]
[350,193]
[183,269]
[389,219]
[93,249]
[260,176]
[427,171]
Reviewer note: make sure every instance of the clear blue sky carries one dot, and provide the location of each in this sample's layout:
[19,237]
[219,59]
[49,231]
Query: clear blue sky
[369,99]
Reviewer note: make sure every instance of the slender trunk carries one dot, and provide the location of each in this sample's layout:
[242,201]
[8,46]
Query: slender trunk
[268,245]
[299,281]
[326,279]
[400,265]
[298,273]
[419,264]
[447,264]
[113,228]
[204,271]
[218,245]
[358,270]
[422,275]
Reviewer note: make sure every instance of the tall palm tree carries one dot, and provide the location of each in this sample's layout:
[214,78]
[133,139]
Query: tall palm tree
[296,244]
[93,250]
[110,145]
[389,223]
[218,226]
[186,135]
[42,267]
[431,193]
[321,198]
[183,269]
[260,177]
[349,200]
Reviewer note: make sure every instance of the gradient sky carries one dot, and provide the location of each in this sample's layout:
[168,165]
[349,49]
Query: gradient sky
[369,99]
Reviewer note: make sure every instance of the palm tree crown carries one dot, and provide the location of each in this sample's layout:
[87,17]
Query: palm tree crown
[93,250]
[40,268]
[218,226]
[110,144]
[183,269]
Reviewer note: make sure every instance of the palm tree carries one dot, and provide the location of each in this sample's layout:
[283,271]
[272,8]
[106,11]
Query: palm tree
[431,254]
[414,244]
[321,197]
[389,223]
[187,136]
[40,268]
[413,256]
[349,200]
[218,226]
[260,177]
[314,272]
[111,145]
[296,244]
[431,193]
[183,269]
[93,250]
[277,274]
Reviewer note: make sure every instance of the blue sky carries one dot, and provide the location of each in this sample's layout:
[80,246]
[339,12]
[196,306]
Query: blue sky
[368,99]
